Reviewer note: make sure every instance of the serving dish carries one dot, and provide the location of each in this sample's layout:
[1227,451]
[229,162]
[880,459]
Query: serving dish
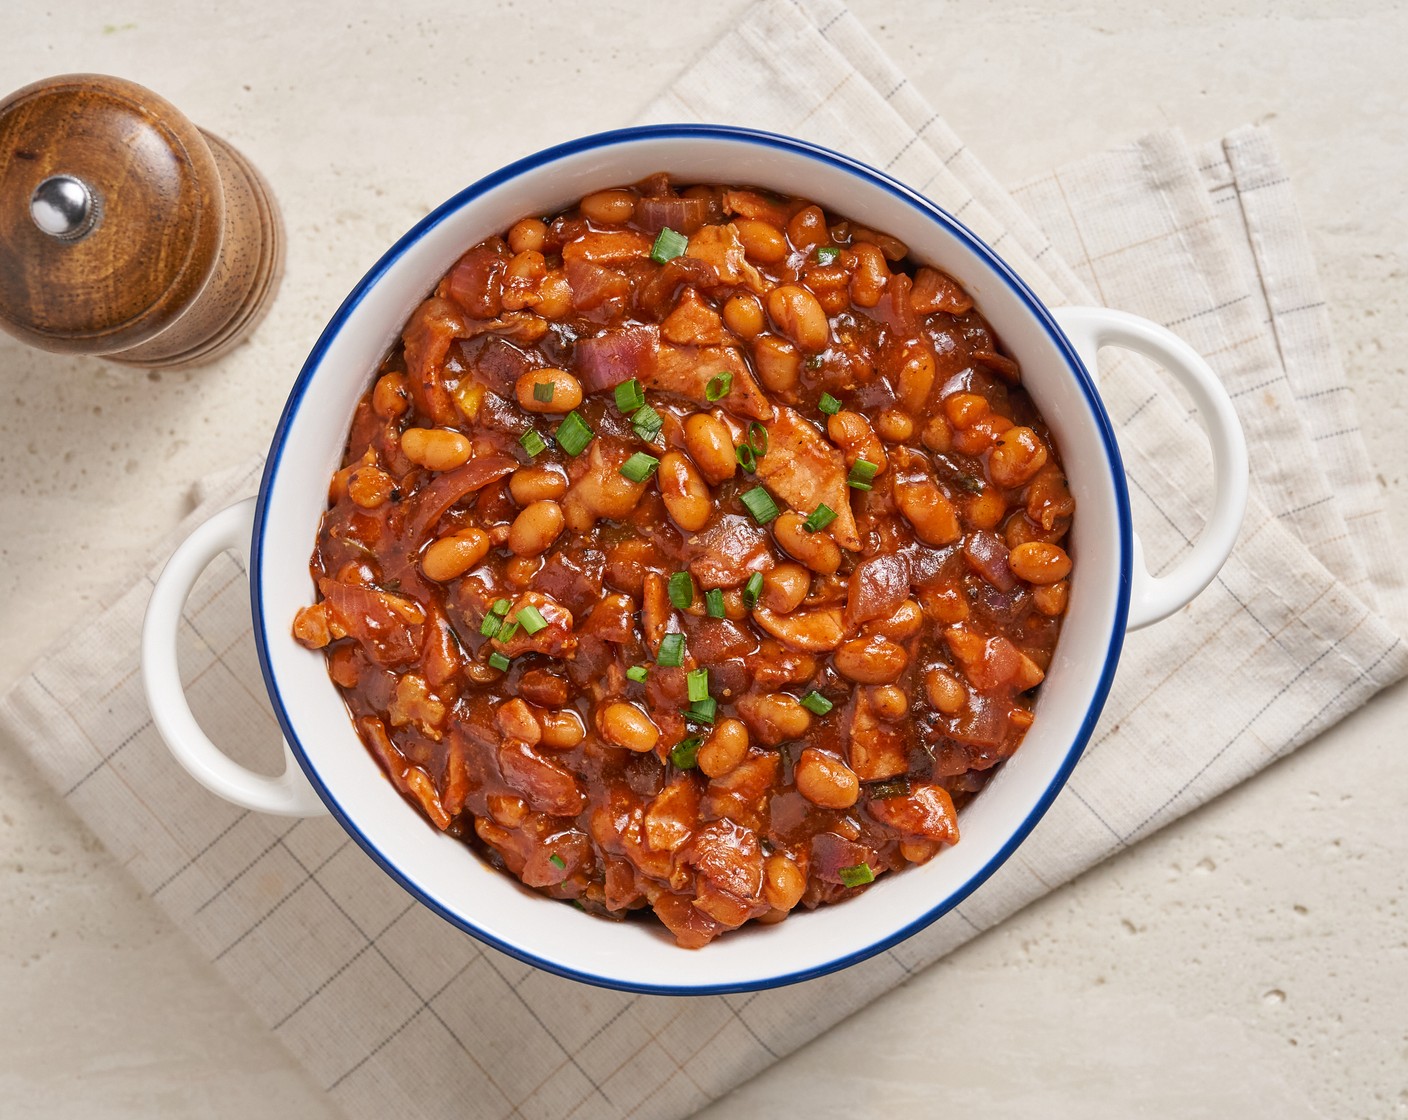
[327,768]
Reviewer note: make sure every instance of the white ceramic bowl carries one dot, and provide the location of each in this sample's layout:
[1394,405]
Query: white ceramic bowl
[1110,588]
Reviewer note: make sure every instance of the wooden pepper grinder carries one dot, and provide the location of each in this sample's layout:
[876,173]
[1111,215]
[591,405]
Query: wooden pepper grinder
[125,230]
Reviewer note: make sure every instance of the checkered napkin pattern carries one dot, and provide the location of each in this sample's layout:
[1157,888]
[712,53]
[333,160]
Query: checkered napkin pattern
[395,1012]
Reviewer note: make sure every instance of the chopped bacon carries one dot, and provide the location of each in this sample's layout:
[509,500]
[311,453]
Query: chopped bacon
[607,247]
[387,626]
[830,853]
[721,247]
[556,639]
[927,810]
[546,786]
[476,282]
[687,370]
[805,471]
[693,322]
[938,291]
[991,662]
[878,585]
[729,552]
[432,327]
[875,749]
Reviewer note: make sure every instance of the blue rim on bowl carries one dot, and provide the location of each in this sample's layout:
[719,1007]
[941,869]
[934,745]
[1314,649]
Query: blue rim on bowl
[702,133]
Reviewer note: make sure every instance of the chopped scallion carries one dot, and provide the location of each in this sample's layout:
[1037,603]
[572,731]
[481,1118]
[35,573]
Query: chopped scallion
[543,391]
[671,655]
[816,703]
[668,245]
[685,753]
[819,518]
[532,443]
[501,607]
[531,619]
[746,459]
[507,631]
[752,589]
[760,505]
[758,439]
[714,603]
[718,386]
[697,681]
[702,711]
[827,254]
[647,422]
[490,626]
[573,434]
[629,396]
[498,661]
[862,474]
[557,861]
[681,587]
[894,787]
[857,876]
[637,673]
[829,404]
[640,466]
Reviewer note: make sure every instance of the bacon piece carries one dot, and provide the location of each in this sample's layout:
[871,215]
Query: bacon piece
[476,282]
[830,853]
[671,816]
[687,370]
[431,328]
[430,503]
[992,662]
[877,586]
[728,553]
[693,322]
[556,639]
[607,247]
[693,929]
[874,749]
[387,626]
[938,291]
[546,786]
[721,247]
[804,470]
[927,810]
[595,286]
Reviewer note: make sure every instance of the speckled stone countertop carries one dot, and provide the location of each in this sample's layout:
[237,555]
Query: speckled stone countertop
[1249,960]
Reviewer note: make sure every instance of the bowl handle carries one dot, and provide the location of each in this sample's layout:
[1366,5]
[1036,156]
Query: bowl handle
[1156,597]
[287,794]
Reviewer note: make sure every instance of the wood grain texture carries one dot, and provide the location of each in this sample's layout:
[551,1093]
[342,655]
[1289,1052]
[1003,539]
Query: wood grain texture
[187,249]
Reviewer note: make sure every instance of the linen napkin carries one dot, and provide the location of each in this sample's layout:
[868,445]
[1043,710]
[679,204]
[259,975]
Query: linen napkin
[391,1009]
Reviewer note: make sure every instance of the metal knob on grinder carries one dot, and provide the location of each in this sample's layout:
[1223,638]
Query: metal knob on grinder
[125,230]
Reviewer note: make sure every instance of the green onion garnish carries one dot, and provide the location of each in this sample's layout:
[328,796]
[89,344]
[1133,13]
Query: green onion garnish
[543,391]
[760,504]
[746,459]
[637,673]
[752,589]
[573,434]
[718,387]
[557,861]
[697,681]
[861,474]
[501,607]
[857,876]
[827,254]
[702,711]
[894,787]
[668,245]
[629,396]
[532,443]
[758,439]
[671,655]
[816,703]
[829,404]
[685,753]
[819,519]
[507,631]
[682,590]
[647,423]
[531,619]
[714,603]
[498,661]
[639,466]
[490,626]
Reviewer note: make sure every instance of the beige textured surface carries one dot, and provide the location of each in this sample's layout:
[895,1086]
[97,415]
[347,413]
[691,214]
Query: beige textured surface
[1244,959]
